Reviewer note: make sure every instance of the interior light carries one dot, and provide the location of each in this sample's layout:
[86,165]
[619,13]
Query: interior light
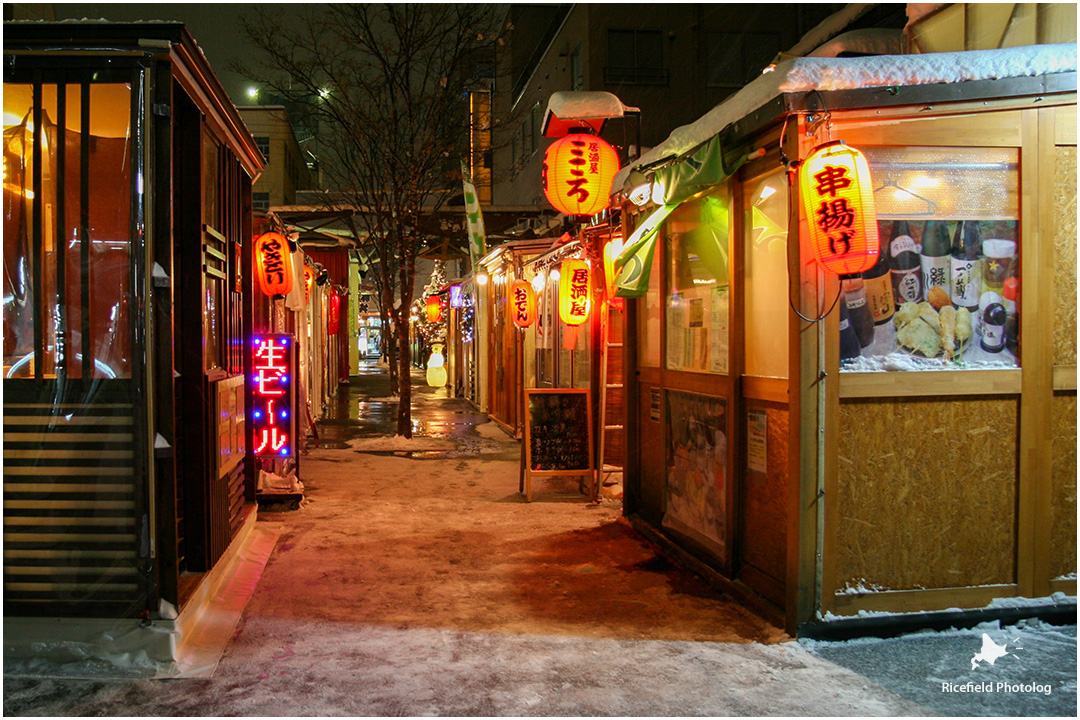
[903,195]
[640,195]
[555,274]
[538,282]
[766,192]
[482,279]
[253,92]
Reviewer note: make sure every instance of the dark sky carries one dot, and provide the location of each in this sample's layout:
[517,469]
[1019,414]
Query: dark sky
[216,27]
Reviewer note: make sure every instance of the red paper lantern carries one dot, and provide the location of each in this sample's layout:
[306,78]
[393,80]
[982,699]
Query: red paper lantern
[838,198]
[334,319]
[522,303]
[273,264]
[309,281]
[575,291]
[434,309]
[577,174]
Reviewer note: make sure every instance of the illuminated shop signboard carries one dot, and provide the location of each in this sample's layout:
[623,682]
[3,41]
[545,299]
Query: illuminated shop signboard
[272,384]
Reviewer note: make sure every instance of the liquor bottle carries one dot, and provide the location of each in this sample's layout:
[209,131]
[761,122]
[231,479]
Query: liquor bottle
[1011,292]
[993,328]
[935,259]
[878,283]
[858,310]
[965,282]
[849,341]
[904,265]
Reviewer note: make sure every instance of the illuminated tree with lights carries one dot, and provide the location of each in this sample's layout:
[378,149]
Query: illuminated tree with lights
[432,332]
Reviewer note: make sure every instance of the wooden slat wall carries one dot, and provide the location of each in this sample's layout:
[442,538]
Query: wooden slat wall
[70,535]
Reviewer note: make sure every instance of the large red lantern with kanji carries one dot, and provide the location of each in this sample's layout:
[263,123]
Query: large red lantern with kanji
[577,174]
[433,309]
[273,264]
[522,303]
[575,291]
[838,198]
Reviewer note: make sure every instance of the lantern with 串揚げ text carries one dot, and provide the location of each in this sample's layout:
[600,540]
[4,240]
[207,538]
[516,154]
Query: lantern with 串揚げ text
[273,264]
[433,309]
[522,301]
[838,198]
[577,174]
[575,291]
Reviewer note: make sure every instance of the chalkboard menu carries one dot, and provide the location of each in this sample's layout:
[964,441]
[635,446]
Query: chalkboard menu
[558,432]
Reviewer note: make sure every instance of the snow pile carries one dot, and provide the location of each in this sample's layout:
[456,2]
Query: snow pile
[492,431]
[807,74]
[271,483]
[398,443]
[586,105]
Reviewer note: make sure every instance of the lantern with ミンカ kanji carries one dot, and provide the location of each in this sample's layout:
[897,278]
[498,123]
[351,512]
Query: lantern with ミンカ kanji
[433,309]
[838,199]
[575,292]
[522,301]
[273,264]
[577,174]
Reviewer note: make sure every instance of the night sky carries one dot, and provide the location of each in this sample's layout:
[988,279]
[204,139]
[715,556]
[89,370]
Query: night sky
[216,27]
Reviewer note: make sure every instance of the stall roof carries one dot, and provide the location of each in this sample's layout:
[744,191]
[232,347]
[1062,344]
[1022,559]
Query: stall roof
[809,74]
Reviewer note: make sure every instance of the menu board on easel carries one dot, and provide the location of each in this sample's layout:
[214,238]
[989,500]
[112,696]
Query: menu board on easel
[558,434]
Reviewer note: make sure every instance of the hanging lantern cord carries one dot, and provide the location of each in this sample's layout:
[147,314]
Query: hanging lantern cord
[822,317]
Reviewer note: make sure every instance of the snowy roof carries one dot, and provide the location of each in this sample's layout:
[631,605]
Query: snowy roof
[824,74]
[581,107]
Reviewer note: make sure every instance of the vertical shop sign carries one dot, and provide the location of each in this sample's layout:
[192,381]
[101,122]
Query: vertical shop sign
[272,388]
[574,292]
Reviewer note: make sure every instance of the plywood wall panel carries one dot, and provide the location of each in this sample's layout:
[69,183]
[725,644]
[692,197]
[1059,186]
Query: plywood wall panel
[764,499]
[1063,487]
[926,493]
[1064,235]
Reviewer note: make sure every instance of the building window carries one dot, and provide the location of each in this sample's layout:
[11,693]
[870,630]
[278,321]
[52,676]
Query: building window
[261,201]
[263,143]
[635,56]
[734,59]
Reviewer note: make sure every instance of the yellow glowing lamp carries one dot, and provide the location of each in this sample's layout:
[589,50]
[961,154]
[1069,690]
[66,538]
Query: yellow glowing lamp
[611,251]
[838,199]
[575,291]
[577,174]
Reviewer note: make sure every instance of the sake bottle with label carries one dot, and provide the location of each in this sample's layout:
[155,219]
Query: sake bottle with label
[935,257]
[965,281]
[878,283]
[858,310]
[904,265]
[849,342]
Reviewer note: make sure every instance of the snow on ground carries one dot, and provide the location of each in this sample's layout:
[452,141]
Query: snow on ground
[939,670]
[492,431]
[397,443]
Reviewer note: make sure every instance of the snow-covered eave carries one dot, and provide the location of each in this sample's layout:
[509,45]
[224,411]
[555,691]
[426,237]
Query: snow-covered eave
[828,75]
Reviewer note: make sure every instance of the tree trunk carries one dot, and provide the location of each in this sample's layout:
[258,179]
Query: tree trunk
[404,416]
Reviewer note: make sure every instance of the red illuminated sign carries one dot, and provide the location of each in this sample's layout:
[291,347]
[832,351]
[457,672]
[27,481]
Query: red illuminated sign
[272,375]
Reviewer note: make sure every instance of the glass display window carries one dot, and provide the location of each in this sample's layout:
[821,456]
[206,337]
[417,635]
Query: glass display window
[698,303]
[945,291]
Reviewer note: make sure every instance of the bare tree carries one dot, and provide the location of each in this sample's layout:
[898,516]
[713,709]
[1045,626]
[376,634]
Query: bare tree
[385,85]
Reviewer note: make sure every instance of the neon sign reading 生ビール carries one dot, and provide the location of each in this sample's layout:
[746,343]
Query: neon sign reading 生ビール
[272,415]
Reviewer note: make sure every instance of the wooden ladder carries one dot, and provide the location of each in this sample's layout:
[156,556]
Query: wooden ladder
[606,466]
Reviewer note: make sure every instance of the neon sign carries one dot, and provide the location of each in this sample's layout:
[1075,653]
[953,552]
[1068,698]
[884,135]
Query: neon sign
[272,370]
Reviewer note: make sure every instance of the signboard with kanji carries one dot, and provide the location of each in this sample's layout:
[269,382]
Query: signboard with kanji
[273,389]
[575,292]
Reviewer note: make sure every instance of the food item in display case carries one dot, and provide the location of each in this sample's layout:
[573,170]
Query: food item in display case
[936,264]
[926,331]
[849,341]
[905,264]
[878,284]
[858,311]
[965,282]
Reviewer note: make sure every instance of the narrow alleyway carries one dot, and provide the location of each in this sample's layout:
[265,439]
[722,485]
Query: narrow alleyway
[415,580]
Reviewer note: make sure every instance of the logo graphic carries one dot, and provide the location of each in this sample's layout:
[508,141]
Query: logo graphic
[991,651]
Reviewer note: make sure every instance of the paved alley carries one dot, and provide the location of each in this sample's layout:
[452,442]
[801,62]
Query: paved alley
[415,580]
